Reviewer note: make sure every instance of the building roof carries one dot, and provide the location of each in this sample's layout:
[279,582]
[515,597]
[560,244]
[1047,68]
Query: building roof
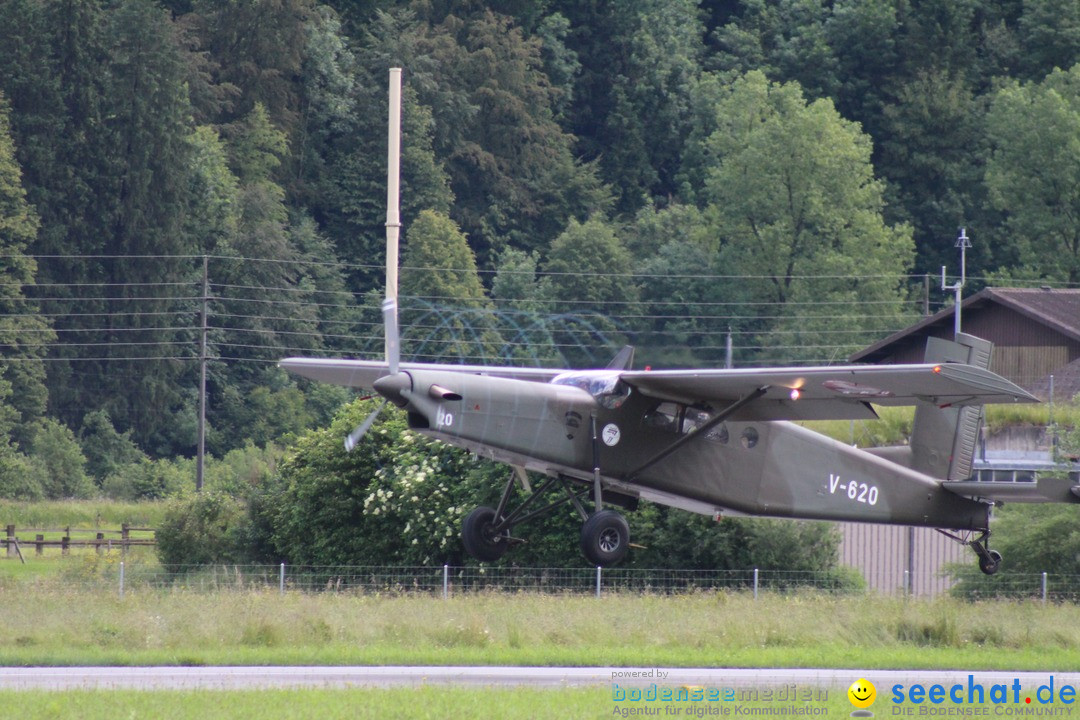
[1066,383]
[1055,308]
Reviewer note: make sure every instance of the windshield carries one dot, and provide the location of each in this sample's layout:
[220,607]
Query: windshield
[606,387]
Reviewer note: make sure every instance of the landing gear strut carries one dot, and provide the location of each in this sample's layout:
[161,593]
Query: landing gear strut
[989,560]
[485,532]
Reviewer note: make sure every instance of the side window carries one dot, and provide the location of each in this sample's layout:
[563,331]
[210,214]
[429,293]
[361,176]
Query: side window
[664,416]
[693,418]
[681,419]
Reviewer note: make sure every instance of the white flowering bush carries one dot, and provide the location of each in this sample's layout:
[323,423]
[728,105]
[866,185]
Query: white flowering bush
[397,498]
[414,505]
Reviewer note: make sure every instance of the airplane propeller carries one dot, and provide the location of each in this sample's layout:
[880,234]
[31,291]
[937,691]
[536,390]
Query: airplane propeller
[361,430]
[393,362]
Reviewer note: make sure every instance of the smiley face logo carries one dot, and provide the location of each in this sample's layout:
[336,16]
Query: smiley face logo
[862,693]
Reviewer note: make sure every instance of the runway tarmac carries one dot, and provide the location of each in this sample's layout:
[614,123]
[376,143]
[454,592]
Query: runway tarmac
[250,678]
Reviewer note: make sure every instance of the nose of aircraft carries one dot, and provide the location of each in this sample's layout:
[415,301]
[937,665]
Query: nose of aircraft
[392,386]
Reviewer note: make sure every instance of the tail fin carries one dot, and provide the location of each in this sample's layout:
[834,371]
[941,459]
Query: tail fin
[943,440]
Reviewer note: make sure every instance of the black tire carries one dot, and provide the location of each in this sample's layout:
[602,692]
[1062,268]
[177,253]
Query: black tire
[990,563]
[478,538]
[605,538]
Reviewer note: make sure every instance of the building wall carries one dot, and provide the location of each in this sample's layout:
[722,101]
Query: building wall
[1024,350]
[882,553]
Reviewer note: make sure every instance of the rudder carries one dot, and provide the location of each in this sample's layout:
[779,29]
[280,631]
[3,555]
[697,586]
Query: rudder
[944,440]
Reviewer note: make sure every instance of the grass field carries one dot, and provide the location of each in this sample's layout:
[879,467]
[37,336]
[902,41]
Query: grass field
[440,702]
[56,623]
[56,612]
[427,703]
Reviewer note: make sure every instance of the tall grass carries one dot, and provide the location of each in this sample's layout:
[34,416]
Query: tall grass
[48,623]
[54,514]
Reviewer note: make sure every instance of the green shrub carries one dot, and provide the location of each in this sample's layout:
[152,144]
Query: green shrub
[55,448]
[20,477]
[202,529]
[106,450]
[149,480]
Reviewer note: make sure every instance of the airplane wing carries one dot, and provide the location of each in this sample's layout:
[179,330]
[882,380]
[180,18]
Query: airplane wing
[363,373]
[830,393]
[824,393]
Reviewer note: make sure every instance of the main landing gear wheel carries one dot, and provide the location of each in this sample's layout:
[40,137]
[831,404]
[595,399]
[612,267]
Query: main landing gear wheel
[605,538]
[479,538]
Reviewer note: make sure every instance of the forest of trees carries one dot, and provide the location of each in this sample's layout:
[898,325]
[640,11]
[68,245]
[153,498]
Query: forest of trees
[576,175]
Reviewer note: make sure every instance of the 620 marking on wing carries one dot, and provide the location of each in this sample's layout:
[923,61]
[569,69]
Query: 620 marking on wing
[857,491]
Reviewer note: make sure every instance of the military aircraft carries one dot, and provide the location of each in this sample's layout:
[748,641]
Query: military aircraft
[718,442]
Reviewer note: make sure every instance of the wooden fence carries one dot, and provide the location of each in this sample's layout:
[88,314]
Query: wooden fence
[17,539]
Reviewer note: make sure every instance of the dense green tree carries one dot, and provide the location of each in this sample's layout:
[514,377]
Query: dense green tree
[257,47]
[1049,33]
[348,196]
[589,282]
[682,540]
[447,315]
[1033,174]
[691,310]
[797,209]
[104,122]
[213,219]
[105,449]
[933,144]
[632,101]
[279,292]
[865,38]
[24,333]
[788,40]
[512,169]
[53,446]
[524,315]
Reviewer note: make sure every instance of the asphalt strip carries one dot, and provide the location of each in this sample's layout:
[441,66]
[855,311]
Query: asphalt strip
[269,677]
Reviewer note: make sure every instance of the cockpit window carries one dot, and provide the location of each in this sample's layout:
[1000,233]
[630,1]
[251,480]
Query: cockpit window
[676,417]
[606,387]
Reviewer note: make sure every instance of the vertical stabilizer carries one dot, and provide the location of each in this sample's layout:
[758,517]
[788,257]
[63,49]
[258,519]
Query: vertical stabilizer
[943,440]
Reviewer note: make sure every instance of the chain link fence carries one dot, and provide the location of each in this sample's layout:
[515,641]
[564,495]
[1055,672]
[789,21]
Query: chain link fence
[447,581]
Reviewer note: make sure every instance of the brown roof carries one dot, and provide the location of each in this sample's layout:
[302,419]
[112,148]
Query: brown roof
[1057,309]
[1066,383]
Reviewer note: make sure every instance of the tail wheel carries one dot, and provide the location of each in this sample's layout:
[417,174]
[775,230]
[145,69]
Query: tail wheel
[605,538]
[990,563]
[479,538]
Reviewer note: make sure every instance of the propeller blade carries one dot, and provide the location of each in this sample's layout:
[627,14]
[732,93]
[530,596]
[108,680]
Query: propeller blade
[358,434]
[393,341]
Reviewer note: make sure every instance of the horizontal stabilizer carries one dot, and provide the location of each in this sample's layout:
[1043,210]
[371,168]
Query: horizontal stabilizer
[1045,489]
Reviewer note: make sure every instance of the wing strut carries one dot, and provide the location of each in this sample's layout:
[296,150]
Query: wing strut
[690,437]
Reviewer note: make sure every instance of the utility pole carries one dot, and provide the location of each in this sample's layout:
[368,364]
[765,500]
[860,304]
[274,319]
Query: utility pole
[200,461]
[963,243]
